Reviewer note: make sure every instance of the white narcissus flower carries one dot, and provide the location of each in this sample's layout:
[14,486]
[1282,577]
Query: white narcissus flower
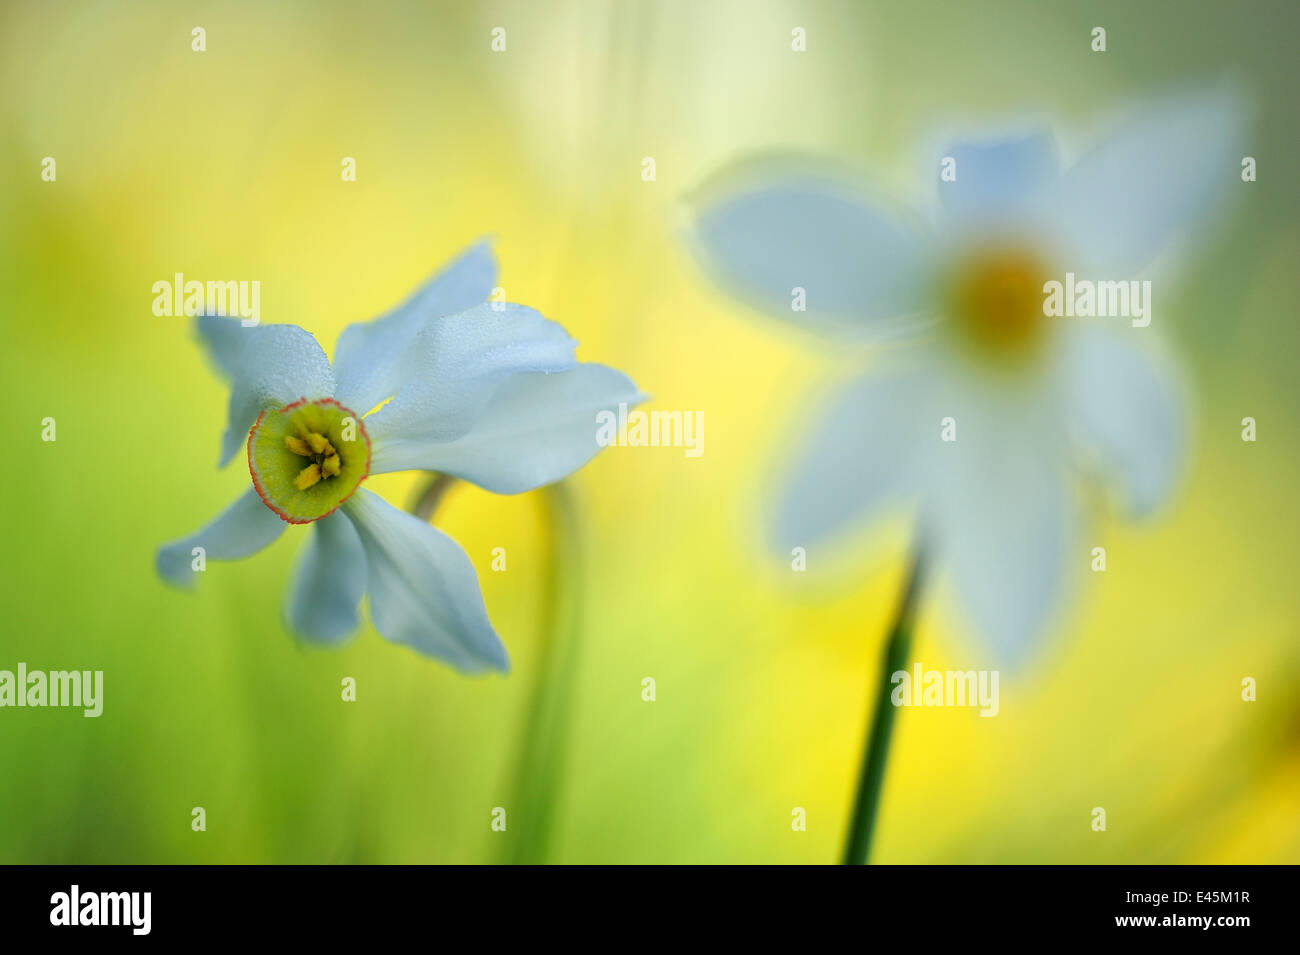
[1035,400]
[487,393]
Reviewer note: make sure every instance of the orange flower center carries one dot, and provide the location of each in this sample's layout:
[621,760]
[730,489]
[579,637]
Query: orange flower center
[995,301]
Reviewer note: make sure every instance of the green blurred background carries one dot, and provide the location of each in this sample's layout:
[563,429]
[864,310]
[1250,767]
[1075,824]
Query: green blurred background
[226,164]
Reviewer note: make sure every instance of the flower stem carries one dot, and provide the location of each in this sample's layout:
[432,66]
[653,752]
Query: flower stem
[539,762]
[857,846]
[431,496]
[542,749]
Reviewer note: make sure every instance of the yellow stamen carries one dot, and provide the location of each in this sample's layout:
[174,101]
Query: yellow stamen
[297,445]
[319,444]
[307,477]
[330,466]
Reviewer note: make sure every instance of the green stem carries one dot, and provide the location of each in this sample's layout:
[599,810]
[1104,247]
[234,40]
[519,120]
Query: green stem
[540,759]
[432,496]
[857,846]
[542,749]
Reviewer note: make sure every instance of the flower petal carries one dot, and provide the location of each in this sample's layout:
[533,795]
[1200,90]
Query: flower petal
[452,368]
[860,266]
[1002,520]
[860,457]
[327,583]
[537,429]
[1000,180]
[243,529]
[1126,411]
[1126,199]
[423,590]
[367,355]
[269,366]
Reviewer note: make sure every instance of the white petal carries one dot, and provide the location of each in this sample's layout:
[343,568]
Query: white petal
[999,181]
[859,457]
[452,368]
[1128,198]
[537,429]
[269,366]
[860,266]
[327,583]
[423,590]
[365,360]
[243,529]
[1001,520]
[1126,413]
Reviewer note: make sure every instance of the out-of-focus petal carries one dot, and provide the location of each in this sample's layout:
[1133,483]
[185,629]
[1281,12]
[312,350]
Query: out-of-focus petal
[423,590]
[1000,181]
[1000,519]
[366,359]
[765,233]
[1125,412]
[859,457]
[537,429]
[450,371]
[1124,201]
[268,366]
[327,583]
[243,529]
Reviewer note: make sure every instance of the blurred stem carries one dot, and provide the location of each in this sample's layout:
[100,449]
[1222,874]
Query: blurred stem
[866,804]
[539,765]
[432,496]
[540,759]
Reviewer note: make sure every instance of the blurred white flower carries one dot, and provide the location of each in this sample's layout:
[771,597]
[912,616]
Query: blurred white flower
[1033,399]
